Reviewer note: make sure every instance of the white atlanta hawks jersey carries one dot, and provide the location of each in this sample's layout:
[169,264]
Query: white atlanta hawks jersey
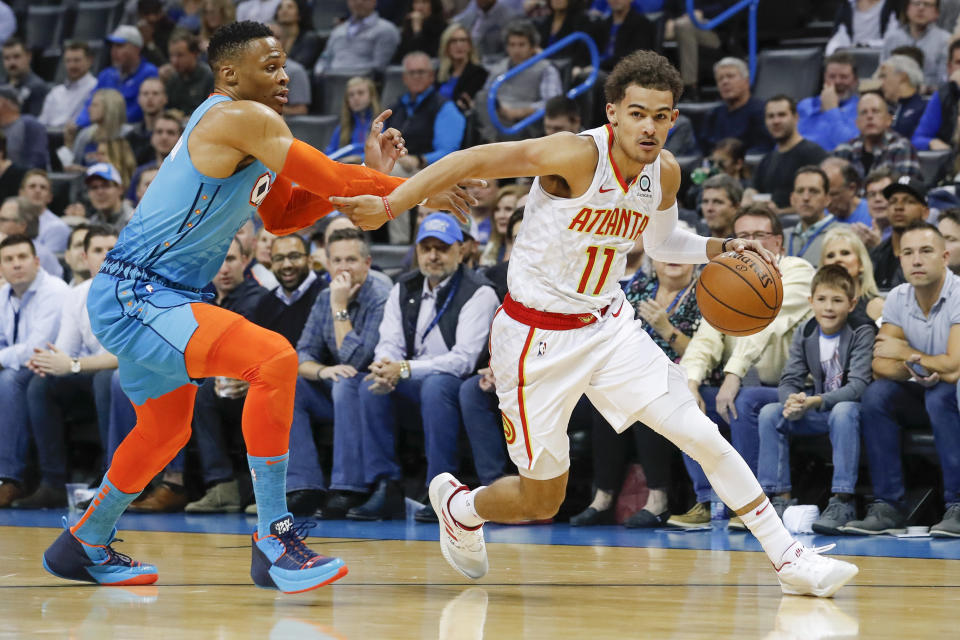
[571,253]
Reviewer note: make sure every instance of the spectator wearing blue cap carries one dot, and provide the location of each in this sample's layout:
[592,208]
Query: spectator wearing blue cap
[434,330]
[126,72]
[105,191]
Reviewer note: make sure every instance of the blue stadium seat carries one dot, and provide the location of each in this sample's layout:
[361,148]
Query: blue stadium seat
[314,130]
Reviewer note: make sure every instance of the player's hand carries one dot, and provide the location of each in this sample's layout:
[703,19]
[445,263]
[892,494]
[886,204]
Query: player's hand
[487,382]
[740,245]
[367,212]
[457,200]
[342,289]
[336,372]
[383,148]
[726,398]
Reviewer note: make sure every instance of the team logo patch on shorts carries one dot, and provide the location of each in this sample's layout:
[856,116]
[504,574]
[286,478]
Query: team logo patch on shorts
[541,348]
[509,431]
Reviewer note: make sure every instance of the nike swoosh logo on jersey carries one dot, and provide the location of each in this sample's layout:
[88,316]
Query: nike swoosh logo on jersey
[602,190]
[617,314]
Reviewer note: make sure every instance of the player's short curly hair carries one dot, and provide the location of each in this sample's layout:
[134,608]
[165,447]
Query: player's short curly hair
[230,39]
[646,69]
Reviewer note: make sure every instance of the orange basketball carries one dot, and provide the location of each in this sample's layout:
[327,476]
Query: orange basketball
[739,293]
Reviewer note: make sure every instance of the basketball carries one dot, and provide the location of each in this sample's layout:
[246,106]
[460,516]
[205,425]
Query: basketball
[739,293]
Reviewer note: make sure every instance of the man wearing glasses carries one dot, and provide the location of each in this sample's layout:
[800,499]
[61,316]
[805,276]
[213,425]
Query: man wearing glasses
[920,30]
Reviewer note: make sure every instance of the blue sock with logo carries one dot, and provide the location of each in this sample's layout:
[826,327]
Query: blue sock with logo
[269,476]
[97,523]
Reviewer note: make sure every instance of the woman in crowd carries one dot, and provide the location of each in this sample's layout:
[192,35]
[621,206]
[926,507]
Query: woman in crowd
[298,39]
[117,151]
[563,18]
[360,103]
[495,251]
[188,15]
[460,75]
[216,13]
[422,28]
[844,247]
[108,120]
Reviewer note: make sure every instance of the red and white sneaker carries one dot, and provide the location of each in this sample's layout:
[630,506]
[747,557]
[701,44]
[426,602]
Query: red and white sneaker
[463,547]
[807,573]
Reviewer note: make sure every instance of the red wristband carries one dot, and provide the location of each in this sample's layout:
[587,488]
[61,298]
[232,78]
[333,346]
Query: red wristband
[386,205]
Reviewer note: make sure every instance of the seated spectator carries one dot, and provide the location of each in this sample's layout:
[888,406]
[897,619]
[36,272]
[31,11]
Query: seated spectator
[127,71]
[187,80]
[75,270]
[284,310]
[879,227]
[8,22]
[843,247]
[564,17]
[459,76]
[482,212]
[494,252]
[155,26]
[53,232]
[262,250]
[716,364]
[919,29]
[254,270]
[690,39]
[364,42]
[719,204]
[844,185]
[336,349]
[740,116]
[432,126]
[774,175]
[26,139]
[30,304]
[497,274]
[167,128]
[486,20]
[621,33]
[949,225]
[561,114]
[862,23]
[108,121]
[143,182]
[361,103]
[878,145]
[426,348]
[11,173]
[187,15]
[294,19]
[64,102]
[831,117]
[809,200]
[240,295]
[915,364]
[257,10]
[524,93]
[216,13]
[835,350]
[152,99]
[901,81]
[31,87]
[67,374]
[938,124]
[907,203]
[105,192]
[118,153]
[19,216]
[421,29]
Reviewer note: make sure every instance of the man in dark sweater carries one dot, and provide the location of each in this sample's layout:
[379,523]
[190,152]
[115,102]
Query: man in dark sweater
[907,198]
[775,173]
[741,115]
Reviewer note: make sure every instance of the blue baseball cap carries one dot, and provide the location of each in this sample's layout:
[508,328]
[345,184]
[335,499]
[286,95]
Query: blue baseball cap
[442,226]
[104,170]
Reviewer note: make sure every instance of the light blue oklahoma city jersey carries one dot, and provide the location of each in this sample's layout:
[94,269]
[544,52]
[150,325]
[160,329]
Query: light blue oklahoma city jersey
[172,247]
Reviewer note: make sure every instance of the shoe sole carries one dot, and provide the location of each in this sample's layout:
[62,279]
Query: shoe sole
[147,578]
[869,532]
[825,530]
[438,509]
[688,525]
[342,572]
[235,509]
[824,593]
[944,534]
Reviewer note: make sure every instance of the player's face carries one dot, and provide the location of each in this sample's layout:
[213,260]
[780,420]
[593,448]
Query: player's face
[877,202]
[37,190]
[289,261]
[808,197]
[260,75]
[923,257]
[437,259]
[95,253]
[641,122]
[18,265]
[951,234]
[840,251]
[831,306]
[346,256]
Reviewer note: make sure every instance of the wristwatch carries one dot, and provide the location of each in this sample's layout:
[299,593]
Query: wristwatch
[404,370]
[673,336]
[341,315]
[75,365]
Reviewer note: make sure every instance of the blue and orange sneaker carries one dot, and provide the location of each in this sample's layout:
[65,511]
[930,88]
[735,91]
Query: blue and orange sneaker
[73,559]
[281,560]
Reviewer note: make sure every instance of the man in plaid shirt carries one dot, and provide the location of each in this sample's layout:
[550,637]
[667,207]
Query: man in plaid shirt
[878,145]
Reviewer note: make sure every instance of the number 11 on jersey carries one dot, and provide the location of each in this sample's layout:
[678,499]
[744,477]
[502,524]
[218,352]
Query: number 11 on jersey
[592,251]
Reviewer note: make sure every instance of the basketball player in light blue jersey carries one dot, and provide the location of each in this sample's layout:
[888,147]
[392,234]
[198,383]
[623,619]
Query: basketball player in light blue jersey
[236,156]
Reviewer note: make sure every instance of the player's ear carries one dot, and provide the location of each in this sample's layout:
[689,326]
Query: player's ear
[612,114]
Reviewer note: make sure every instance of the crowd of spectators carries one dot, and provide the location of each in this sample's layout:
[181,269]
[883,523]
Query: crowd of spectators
[393,383]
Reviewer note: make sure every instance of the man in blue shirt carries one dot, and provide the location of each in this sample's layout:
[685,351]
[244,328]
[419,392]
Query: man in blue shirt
[831,117]
[843,186]
[128,69]
[939,119]
[30,304]
[740,116]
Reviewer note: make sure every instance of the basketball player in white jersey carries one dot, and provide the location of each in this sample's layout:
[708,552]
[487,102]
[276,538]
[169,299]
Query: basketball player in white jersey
[565,330]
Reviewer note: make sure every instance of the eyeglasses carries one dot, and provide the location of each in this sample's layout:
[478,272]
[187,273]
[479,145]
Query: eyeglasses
[920,4]
[756,235]
[296,256]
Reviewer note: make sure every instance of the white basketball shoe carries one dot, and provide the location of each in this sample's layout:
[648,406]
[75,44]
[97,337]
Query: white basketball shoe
[807,573]
[463,547]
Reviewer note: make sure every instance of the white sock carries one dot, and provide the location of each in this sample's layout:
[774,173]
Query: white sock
[769,530]
[462,509]
[602,500]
